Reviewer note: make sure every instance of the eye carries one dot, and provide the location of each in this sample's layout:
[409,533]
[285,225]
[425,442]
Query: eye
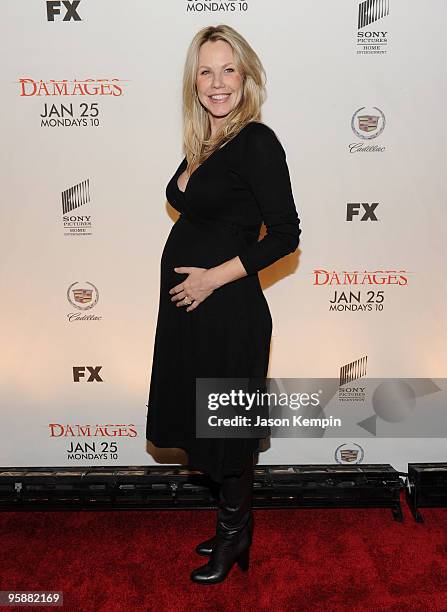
[206,71]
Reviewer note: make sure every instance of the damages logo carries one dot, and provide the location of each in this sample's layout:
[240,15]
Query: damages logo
[85,113]
[359,290]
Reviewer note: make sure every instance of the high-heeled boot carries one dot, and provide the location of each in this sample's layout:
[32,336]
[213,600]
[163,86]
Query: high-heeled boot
[206,548]
[234,529]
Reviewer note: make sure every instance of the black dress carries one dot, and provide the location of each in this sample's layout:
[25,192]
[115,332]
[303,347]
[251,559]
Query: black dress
[239,186]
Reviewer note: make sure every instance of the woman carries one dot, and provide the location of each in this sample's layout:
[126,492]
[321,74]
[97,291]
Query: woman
[213,318]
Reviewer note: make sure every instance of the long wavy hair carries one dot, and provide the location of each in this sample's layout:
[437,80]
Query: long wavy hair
[197,140]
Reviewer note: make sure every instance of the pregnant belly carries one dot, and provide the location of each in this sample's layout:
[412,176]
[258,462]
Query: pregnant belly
[200,245]
[203,245]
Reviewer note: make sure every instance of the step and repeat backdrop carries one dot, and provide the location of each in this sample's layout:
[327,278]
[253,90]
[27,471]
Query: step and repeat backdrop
[91,134]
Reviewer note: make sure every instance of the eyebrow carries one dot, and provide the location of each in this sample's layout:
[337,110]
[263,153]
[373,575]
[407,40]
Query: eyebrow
[228,64]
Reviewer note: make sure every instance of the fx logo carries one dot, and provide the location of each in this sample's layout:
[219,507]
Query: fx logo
[79,372]
[353,209]
[54,8]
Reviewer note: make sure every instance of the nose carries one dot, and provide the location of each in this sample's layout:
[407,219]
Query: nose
[217,80]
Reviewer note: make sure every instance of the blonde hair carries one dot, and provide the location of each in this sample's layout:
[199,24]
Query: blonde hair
[197,140]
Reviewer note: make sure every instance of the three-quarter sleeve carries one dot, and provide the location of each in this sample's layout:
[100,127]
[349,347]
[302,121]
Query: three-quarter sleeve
[265,169]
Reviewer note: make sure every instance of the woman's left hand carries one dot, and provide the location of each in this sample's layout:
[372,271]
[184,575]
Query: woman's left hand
[197,287]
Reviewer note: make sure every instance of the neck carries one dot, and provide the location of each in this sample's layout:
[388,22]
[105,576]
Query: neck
[215,123]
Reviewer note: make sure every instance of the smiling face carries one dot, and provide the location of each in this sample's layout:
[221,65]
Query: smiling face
[218,80]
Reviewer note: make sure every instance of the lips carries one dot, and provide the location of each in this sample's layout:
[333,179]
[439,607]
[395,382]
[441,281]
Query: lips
[219,98]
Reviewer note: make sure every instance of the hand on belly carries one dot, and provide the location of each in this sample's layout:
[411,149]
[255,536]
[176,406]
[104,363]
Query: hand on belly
[194,289]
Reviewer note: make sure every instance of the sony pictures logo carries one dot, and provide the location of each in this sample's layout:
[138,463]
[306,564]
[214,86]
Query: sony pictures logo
[83,296]
[349,390]
[367,123]
[75,222]
[372,38]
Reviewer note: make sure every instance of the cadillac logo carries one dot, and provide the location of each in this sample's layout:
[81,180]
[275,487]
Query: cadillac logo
[368,125]
[82,296]
[349,453]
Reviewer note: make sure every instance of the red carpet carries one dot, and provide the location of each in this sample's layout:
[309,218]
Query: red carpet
[303,560]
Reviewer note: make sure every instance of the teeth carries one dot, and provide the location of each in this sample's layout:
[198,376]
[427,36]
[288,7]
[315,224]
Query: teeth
[219,97]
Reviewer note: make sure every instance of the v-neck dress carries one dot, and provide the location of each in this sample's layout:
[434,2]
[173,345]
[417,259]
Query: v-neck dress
[227,198]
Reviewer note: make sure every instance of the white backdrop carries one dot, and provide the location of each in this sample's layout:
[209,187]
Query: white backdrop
[83,293]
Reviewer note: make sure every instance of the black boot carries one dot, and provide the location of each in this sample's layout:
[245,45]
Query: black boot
[234,529]
[206,548]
